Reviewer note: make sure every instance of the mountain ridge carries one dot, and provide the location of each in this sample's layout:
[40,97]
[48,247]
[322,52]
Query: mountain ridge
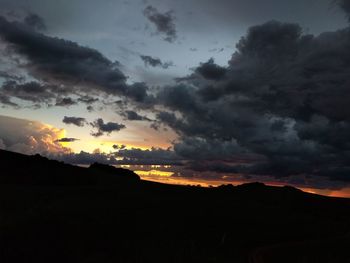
[99,215]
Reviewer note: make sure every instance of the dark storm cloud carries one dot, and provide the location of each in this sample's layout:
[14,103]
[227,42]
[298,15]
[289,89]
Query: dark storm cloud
[282,101]
[5,100]
[67,140]
[31,91]
[211,71]
[65,102]
[8,76]
[134,116]
[38,94]
[107,128]
[35,21]
[164,22]
[345,5]
[155,62]
[138,92]
[77,121]
[58,58]
[82,69]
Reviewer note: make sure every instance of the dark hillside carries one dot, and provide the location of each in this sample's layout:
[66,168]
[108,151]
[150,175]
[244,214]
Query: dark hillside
[54,212]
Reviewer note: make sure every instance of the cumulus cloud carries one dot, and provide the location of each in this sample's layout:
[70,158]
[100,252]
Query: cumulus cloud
[134,116]
[282,101]
[35,21]
[155,62]
[107,128]
[32,91]
[65,102]
[164,22]
[77,121]
[345,5]
[39,93]
[30,137]
[65,65]
[211,71]
[6,100]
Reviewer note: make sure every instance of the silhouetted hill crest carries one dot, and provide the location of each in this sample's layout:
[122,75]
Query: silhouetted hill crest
[38,170]
[111,170]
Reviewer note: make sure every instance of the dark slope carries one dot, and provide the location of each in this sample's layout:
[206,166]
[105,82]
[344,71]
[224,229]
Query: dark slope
[53,212]
[37,170]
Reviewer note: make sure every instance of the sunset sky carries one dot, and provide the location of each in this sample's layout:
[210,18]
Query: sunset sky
[188,91]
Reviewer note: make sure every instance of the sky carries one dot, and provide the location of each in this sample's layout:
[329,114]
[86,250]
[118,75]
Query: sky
[189,91]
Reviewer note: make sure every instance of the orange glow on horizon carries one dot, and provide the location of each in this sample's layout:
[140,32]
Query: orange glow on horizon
[157,173]
[168,178]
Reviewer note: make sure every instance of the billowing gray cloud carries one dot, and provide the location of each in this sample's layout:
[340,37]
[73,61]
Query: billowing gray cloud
[39,93]
[77,121]
[345,5]
[164,22]
[282,101]
[6,100]
[33,91]
[35,21]
[134,116]
[79,69]
[155,62]
[107,128]
[211,71]
[65,102]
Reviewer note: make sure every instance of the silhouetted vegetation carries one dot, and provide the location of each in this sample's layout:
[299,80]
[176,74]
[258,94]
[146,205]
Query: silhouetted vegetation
[54,212]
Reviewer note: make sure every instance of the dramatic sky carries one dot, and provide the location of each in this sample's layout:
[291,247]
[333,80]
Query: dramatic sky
[188,91]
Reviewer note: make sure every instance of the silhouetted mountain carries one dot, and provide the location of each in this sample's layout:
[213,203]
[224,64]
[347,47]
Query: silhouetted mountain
[54,212]
[37,170]
[122,174]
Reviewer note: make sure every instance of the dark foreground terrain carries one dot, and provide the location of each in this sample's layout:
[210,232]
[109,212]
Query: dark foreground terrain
[53,212]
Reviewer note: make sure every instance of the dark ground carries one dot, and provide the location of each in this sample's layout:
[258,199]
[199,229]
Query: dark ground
[52,212]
